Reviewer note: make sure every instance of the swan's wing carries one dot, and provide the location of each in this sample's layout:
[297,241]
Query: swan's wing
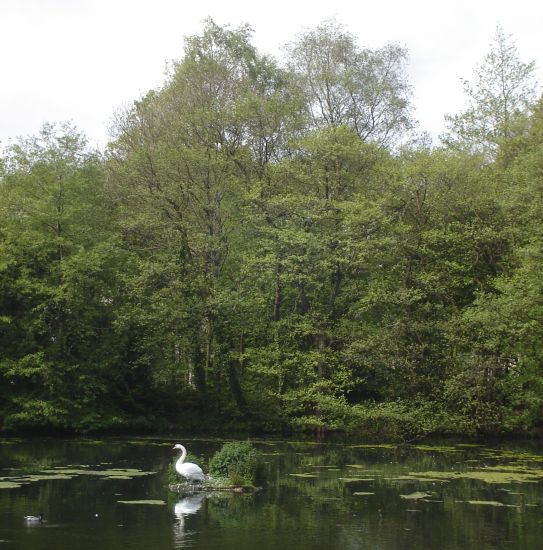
[191,471]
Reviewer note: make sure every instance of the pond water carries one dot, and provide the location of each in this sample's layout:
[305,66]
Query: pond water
[113,494]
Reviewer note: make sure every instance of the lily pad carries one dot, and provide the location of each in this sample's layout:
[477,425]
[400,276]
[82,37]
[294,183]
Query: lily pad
[303,475]
[355,479]
[519,456]
[118,473]
[9,485]
[437,448]
[362,494]
[486,502]
[416,495]
[34,477]
[419,479]
[375,446]
[487,476]
[154,502]
[522,468]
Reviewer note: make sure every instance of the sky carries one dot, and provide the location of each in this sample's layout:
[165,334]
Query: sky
[82,60]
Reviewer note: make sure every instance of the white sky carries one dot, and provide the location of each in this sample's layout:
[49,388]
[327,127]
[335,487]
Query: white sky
[79,60]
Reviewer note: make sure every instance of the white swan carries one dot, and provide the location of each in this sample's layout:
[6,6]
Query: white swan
[191,472]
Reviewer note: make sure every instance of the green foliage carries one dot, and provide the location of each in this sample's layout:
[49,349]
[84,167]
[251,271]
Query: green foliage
[247,255]
[503,89]
[240,462]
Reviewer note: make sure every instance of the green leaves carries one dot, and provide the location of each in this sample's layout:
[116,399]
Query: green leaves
[503,89]
[249,252]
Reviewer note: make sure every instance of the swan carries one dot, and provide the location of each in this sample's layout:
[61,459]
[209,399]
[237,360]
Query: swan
[192,472]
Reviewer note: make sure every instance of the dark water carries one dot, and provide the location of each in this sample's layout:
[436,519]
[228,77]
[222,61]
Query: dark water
[351,497]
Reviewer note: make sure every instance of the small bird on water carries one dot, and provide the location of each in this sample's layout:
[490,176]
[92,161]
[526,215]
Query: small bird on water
[34,519]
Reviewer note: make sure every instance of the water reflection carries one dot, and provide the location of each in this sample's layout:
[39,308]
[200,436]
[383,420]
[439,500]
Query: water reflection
[318,497]
[33,521]
[186,506]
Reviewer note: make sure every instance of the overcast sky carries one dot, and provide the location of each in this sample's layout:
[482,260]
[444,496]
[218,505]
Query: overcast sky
[80,60]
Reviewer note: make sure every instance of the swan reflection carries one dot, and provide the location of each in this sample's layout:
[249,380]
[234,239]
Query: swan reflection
[187,506]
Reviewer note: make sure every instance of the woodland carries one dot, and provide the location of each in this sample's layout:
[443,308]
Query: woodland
[274,246]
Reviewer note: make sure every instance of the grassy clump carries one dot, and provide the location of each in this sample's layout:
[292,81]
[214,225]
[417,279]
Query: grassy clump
[239,462]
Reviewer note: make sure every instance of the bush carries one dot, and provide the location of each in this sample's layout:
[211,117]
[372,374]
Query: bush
[395,420]
[240,462]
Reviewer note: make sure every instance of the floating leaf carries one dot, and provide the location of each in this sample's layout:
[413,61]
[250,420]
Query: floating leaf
[486,502]
[487,476]
[155,502]
[376,446]
[9,485]
[437,448]
[355,479]
[119,473]
[416,495]
[37,477]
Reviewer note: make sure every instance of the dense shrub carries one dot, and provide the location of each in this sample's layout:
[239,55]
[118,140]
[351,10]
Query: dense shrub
[238,461]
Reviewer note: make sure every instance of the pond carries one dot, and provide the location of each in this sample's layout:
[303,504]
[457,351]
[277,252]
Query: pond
[113,494]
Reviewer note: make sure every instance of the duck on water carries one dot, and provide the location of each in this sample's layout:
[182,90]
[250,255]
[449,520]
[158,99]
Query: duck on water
[34,519]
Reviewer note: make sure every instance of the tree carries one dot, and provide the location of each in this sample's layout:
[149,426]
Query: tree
[345,84]
[59,286]
[190,154]
[502,331]
[501,92]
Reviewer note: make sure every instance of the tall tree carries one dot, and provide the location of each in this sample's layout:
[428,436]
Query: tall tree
[190,153]
[346,84]
[59,286]
[502,89]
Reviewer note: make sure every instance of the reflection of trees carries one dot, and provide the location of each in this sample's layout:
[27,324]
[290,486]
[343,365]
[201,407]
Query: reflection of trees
[326,503]
[233,510]
[305,513]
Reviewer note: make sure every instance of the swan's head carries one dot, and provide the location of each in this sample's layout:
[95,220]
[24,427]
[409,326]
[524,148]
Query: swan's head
[178,447]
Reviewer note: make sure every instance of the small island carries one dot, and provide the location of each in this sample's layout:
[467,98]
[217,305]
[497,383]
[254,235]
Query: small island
[236,468]
[224,485]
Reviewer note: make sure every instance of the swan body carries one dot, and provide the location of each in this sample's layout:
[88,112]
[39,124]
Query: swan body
[190,471]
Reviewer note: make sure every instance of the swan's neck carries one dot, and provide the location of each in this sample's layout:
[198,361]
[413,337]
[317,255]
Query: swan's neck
[183,455]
